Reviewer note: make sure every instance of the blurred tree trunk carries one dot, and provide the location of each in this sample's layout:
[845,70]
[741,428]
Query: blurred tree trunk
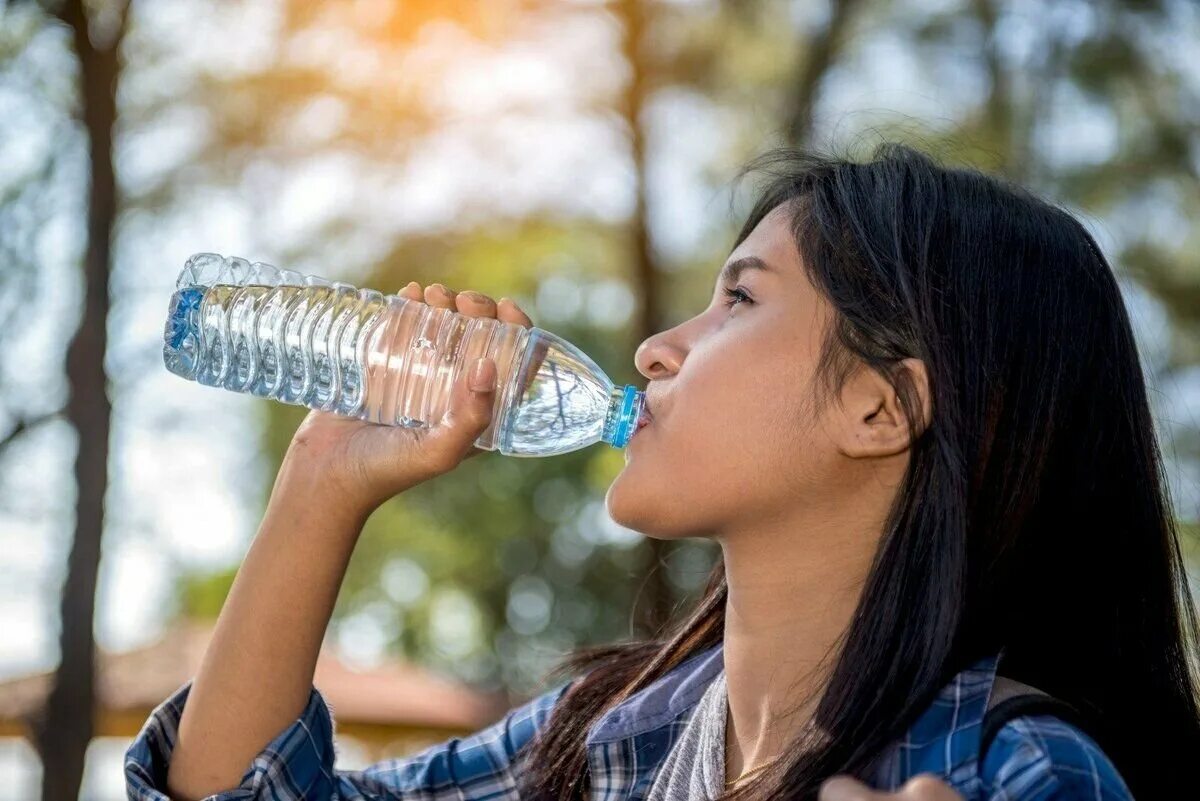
[66,724]
[821,52]
[998,120]
[655,597]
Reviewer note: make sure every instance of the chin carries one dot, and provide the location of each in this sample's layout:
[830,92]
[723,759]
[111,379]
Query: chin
[635,506]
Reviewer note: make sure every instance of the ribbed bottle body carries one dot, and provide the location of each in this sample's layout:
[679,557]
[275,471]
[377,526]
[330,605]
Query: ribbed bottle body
[385,359]
[309,342]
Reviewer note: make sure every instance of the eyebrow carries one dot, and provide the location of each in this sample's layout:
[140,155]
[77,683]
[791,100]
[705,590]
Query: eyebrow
[732,271]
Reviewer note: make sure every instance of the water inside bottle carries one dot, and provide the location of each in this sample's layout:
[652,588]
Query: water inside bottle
[568,402]
[271,341]
[393,362]
[371,361]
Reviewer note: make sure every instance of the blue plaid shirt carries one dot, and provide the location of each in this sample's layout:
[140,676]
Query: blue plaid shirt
[1033,758]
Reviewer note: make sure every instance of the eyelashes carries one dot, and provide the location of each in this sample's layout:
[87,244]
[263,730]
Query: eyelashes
[736,296]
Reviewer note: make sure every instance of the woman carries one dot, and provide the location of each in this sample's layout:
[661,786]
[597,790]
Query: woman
[914,419]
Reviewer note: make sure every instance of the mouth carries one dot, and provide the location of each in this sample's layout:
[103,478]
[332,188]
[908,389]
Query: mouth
[646,416]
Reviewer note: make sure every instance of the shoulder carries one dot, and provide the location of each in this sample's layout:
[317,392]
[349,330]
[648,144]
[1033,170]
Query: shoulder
[474,763]
[495,747]
[1039,756]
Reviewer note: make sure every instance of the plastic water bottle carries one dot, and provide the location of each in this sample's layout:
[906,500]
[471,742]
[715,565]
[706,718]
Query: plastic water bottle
[382,358]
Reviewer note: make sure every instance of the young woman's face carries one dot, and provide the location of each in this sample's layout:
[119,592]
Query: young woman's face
[733,441]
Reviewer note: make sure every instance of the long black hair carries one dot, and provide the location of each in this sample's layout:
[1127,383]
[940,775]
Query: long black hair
[1033,515]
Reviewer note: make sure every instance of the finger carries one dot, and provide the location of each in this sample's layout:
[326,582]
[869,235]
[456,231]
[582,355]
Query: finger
[468,415]
[475,304]
[412,292]
[845,788]
[439,295]
[509,312]
[928,787]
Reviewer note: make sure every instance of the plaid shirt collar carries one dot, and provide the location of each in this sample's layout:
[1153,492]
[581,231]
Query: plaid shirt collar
[627,743]
[662,702]
[959,705]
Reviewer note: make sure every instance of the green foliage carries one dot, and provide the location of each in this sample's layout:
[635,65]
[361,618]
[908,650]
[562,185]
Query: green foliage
[201,595]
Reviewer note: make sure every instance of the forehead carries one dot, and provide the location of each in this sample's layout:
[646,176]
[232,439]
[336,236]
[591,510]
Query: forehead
[773,242]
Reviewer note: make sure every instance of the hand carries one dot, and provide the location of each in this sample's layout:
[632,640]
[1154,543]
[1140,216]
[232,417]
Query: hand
[360,465]
[923,787]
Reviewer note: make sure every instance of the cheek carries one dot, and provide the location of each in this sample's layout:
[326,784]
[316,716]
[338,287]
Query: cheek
[731,442]
[754,392]
[763,416]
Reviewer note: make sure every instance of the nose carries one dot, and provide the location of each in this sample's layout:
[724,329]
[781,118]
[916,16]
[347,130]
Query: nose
[659,355]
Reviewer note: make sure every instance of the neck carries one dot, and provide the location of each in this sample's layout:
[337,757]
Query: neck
[793,589]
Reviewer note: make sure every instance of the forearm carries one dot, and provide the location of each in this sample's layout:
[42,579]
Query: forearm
[257,672]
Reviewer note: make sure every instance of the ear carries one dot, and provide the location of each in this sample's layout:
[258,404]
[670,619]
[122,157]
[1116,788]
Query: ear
[872,421]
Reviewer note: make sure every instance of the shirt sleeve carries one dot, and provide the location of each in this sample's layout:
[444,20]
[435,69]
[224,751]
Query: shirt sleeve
[298,764]
[1042,758]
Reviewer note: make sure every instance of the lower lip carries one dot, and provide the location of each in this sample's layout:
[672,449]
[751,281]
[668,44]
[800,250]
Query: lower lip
[633,440]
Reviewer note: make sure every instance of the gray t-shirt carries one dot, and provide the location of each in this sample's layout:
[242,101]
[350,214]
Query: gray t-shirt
[694,769]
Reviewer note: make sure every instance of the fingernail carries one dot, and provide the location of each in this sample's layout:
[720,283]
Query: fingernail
[478,297]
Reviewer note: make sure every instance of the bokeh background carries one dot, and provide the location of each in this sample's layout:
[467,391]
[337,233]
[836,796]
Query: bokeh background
[574,155]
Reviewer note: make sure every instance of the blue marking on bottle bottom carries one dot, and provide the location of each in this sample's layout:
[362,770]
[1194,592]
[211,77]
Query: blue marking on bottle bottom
[187,301]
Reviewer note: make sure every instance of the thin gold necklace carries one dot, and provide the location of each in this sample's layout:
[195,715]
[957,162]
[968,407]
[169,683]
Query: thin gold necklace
[748,773]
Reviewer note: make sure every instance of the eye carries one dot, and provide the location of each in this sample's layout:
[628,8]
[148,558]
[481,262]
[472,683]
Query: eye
[736,295]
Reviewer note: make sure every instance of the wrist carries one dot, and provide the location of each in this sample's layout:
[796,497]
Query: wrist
[299,486]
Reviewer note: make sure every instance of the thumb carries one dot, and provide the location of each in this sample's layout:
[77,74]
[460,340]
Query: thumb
[467,415]
[845,788]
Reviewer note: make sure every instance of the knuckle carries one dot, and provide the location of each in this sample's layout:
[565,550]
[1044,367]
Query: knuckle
[476,297]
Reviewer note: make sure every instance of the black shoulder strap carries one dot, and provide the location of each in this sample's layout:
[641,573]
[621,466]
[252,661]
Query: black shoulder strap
[1019,705]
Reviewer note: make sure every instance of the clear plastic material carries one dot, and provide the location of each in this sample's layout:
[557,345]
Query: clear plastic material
[382,358]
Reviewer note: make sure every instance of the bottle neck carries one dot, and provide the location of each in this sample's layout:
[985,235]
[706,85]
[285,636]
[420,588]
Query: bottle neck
[624,410]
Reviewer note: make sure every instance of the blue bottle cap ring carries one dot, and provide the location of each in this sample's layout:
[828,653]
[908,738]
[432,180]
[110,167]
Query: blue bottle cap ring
[627,420]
